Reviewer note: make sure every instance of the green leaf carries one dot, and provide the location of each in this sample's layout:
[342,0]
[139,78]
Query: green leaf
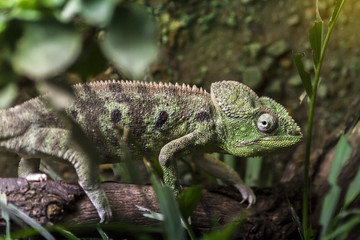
[130,41]
[46,49]
[342,154]
[8,95]
[226,233]
[169,208]
[328,208]
[189,199]
[344,228]
[305,76]
[316,40]
[353,190]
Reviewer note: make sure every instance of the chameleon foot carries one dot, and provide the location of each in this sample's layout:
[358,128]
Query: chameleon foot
[246,193]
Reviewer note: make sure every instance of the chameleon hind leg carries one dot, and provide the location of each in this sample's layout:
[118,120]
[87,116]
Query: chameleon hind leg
[29,169]
[56,143]
[224,172]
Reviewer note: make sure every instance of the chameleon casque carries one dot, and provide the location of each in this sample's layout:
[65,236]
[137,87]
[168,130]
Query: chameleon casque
[164,119]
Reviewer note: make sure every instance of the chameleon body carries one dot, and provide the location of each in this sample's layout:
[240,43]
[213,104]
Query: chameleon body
[163,119]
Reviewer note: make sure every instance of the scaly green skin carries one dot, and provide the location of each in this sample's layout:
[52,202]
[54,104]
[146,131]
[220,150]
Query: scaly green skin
[164,120]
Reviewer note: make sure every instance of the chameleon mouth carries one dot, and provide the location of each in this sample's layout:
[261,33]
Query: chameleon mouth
[289,140]
[242,144]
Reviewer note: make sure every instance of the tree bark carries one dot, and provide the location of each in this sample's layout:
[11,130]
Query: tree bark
[54,202]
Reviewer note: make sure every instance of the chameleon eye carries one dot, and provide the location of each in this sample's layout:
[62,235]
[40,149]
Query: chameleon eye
[266,123]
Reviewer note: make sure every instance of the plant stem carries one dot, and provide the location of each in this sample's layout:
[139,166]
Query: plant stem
[310,122]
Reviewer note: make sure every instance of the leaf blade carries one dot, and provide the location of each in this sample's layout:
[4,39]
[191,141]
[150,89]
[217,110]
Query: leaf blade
[316,33]
[305,76]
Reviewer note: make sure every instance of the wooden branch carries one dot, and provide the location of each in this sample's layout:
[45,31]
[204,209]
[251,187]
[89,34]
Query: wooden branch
[52,202]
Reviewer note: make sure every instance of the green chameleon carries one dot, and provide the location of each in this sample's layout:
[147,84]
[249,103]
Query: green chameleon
[165,120]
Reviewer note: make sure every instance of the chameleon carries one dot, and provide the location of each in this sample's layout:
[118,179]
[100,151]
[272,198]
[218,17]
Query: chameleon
[166,120]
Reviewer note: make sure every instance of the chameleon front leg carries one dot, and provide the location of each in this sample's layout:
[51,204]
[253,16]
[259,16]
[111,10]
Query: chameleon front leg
[226,173]
[168,151]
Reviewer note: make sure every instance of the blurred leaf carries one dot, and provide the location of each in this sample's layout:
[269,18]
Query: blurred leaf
[253,170]
[5,215]
[130,42]
[46,49]
[169,208]
[227,232]
[342,154]
[25,14]
[230,160]
[3,22]
[52,3]
[344,228]
[103,235]
[328,208]
[94,12]
[338,6]
[98,12]
[8,95]
[316,40]
[189,199]
[67,235]
[62,93]
[70,10]
[305,76]
[353,190]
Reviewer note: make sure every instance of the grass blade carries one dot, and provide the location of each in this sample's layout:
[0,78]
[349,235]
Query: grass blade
[328,209]
[298,222]
[342,154]
[344,228]
[170,210]
[305,76]
[189,199]
[353,190]
[5,215]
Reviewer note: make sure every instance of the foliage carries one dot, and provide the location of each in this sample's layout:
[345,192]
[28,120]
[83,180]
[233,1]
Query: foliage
[42,39]
[339,225]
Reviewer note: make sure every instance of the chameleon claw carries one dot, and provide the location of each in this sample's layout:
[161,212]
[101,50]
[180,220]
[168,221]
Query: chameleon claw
[247,194]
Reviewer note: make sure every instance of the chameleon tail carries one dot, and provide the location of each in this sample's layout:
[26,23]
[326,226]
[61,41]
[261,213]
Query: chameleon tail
[15,121]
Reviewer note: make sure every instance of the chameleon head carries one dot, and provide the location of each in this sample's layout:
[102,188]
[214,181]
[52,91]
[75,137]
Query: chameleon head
[248,125]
